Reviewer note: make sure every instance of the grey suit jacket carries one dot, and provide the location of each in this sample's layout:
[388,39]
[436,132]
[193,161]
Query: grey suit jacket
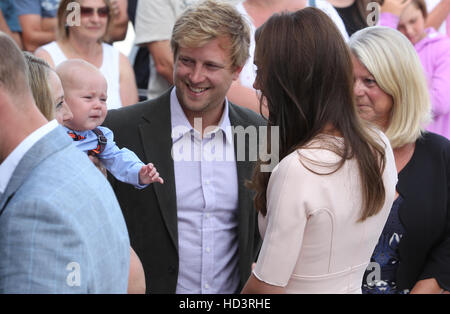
[61,228]
[151,214]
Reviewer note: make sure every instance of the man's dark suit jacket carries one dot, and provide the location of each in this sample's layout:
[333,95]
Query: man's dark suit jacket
[151,213]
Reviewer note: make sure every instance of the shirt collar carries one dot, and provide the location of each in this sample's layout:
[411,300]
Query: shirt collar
[181,125]
[8,166]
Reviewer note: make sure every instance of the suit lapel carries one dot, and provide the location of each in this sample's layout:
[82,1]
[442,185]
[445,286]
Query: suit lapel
[244,172]
[156,135]
[46,146]
[245,167]
[5,203]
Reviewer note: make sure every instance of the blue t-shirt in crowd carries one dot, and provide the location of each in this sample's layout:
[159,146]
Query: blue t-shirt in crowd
[10,14]
[44,8]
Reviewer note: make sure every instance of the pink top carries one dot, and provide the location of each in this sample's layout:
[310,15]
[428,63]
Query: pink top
[448,25]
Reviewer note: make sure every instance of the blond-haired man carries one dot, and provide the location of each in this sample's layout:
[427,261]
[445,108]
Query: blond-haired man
[154,24]
[197,233]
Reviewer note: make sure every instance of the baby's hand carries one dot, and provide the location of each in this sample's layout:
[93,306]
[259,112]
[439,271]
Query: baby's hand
[148,174]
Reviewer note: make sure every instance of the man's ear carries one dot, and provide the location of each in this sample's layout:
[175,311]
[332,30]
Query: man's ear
[4,93]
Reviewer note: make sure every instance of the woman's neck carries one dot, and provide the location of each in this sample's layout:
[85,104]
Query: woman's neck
[403,155]
[85,49]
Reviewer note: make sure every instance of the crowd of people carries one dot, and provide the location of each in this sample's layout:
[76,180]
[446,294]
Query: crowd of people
[254,146]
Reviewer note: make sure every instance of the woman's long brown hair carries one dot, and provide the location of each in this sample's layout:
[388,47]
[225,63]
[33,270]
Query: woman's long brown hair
[305,76]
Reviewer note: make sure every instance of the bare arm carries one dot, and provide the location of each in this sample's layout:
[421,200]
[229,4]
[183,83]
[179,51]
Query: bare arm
[43,54]
[256,286]
[440,12]
[136,278]
[245,97]
[5,28]
[119,27]
[128,88]
[427,286]
[163,58]
[36,31]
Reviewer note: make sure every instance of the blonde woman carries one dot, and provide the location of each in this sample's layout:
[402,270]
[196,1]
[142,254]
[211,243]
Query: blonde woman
[48,93]
[47,90]
[86,42]
[391,91]
[433,48]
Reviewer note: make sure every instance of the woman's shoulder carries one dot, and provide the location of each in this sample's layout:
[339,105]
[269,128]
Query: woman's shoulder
[433,141]
[113,53]
[110,49]
[318,155]
[290,164]
[52,53]
[47,49]
[432,150]
[49,46]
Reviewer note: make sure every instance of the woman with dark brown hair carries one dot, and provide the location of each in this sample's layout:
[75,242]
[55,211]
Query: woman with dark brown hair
[324,205]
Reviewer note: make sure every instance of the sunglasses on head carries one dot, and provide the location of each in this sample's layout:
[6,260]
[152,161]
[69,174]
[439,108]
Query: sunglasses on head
[88,11]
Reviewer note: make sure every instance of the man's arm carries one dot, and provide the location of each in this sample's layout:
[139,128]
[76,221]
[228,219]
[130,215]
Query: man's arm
[127,82]
[154,24]
[119,27]
[427,286]
[438,15]
[5,28]
[37,31]
[136,277]
[163,58]
[245,97]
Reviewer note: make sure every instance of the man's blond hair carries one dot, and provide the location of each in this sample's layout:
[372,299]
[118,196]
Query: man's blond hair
[210,20]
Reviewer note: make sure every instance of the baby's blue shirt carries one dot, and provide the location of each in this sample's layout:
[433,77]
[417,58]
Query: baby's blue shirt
[123,164]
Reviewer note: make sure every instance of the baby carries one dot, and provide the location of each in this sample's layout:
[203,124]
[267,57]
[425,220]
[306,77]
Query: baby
[85,91]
